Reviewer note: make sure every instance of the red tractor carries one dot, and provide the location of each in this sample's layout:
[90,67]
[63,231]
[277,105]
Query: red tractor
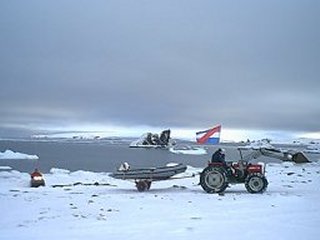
[216,177]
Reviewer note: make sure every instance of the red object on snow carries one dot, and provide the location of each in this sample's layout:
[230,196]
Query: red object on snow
[36,173]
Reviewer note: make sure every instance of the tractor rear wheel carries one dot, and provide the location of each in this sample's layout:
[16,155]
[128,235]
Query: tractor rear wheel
[256,183]
[213,180]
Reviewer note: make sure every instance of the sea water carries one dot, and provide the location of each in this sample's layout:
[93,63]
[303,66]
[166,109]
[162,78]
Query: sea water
[98,156]
[104,156]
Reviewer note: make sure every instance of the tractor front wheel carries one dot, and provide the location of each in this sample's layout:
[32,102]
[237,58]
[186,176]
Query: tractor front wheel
[256,183]
[213,180]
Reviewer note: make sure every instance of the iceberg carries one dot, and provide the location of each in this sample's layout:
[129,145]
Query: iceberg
[150,140]
[9,154]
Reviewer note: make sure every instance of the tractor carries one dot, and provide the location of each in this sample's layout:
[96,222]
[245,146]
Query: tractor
[216,177]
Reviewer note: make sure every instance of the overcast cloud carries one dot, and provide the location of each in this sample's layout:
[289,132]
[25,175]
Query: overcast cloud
[187,64]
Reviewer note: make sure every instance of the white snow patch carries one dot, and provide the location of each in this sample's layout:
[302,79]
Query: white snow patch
[59,171]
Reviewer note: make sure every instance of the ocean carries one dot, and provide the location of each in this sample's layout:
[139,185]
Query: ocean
[103,156]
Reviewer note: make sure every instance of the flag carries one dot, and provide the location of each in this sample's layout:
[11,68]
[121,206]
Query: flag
[210,136]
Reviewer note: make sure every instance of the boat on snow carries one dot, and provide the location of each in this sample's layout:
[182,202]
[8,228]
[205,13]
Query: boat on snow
[152,173]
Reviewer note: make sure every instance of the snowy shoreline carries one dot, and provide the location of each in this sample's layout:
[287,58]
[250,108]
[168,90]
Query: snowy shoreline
[175,209]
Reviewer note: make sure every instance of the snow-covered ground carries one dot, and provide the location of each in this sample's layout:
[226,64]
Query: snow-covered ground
[313,148]
[175,209]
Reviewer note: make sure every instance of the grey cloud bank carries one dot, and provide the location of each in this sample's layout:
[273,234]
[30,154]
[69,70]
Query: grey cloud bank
[188,64]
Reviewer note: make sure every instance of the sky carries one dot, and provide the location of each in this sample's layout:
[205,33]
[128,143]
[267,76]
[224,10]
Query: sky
[252,66]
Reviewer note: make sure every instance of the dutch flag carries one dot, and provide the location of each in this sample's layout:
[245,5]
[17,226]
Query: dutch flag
[210,136]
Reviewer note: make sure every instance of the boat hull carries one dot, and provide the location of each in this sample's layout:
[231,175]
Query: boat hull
[157,173]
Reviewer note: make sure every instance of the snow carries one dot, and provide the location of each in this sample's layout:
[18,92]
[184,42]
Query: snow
[92,205]
[313,148]
[9,154]
[264,143]
[306,141]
